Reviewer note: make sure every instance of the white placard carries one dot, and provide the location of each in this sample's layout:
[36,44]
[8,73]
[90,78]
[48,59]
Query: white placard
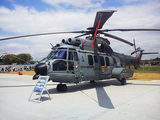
[40,87]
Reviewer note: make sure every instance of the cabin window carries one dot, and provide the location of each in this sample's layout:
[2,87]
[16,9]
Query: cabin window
[59,65]
[107,61]
[75,56]
[61,54]
[114,61]
[71,65]
[95,59]
[90,60]
[102,60]
[70,57]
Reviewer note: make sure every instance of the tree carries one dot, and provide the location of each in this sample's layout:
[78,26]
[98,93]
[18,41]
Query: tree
[24,58]
[7,60]
[32,62]
[1,59]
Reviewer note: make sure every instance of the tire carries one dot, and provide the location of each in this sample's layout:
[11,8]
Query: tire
[64,87]
[92,81]
[59,87]
[123,81]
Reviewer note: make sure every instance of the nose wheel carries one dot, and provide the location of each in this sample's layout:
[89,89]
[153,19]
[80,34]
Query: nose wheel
[62,87]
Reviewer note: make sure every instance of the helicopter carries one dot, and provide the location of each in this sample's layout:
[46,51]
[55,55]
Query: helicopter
[75,60]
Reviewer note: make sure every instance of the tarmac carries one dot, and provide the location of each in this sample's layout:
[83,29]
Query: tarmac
[138,100]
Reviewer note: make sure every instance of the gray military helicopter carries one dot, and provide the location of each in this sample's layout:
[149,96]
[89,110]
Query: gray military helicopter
[75,59]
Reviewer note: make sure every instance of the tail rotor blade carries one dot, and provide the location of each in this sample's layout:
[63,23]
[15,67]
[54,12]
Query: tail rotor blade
[135,49]
[132,52]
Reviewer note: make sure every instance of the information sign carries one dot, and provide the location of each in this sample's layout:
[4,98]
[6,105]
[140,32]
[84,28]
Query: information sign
[40,87]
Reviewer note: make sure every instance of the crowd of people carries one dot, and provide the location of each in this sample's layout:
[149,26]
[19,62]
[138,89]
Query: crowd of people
[15,69]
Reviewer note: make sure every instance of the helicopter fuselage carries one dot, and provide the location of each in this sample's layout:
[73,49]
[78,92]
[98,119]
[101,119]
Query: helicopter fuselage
[73,61]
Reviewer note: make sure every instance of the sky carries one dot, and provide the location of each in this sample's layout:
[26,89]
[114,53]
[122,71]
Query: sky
[23,17]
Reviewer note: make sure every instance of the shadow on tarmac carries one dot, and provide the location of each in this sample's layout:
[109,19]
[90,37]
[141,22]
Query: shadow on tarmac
[17,86]
[22,85]
[103,98]
[85,86]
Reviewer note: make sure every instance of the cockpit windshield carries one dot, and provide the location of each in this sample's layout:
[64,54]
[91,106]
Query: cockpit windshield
[58,54]
[52,54]
[61,54]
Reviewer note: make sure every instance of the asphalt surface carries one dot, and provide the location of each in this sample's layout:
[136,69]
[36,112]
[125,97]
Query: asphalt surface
[87,101]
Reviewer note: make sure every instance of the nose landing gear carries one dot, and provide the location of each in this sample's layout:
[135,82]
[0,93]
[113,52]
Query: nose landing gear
[62,87]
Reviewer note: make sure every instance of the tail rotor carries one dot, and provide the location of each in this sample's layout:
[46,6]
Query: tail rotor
[135,49]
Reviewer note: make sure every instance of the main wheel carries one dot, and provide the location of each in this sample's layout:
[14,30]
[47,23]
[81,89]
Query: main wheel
[59,87]
[123,81]
[64,87]
[92,81]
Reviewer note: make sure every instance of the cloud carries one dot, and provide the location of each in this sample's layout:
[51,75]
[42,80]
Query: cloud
[132,0]
[137,16]
[78,4]
[27,20]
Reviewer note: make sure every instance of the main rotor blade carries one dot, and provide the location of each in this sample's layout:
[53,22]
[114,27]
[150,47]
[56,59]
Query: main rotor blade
[104,16]
[82,35]
[152,53]
[118,38]
[139,29]
[134,43]
[40,35]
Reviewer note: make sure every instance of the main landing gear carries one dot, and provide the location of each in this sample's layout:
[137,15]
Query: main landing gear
[62,87]
[123,81]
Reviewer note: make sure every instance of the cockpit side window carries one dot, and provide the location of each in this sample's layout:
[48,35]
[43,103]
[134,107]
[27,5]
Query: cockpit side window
[59,65]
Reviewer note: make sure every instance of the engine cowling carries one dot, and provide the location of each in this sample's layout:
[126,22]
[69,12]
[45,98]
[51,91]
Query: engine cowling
[72,41]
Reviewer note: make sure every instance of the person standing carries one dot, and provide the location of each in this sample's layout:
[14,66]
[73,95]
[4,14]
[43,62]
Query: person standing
[27,68]
[6,69]
[13,68]
[21,68]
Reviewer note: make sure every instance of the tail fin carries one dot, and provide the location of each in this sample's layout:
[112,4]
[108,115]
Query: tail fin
[139,54]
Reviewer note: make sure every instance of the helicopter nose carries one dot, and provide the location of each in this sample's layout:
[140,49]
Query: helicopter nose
[41,68]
